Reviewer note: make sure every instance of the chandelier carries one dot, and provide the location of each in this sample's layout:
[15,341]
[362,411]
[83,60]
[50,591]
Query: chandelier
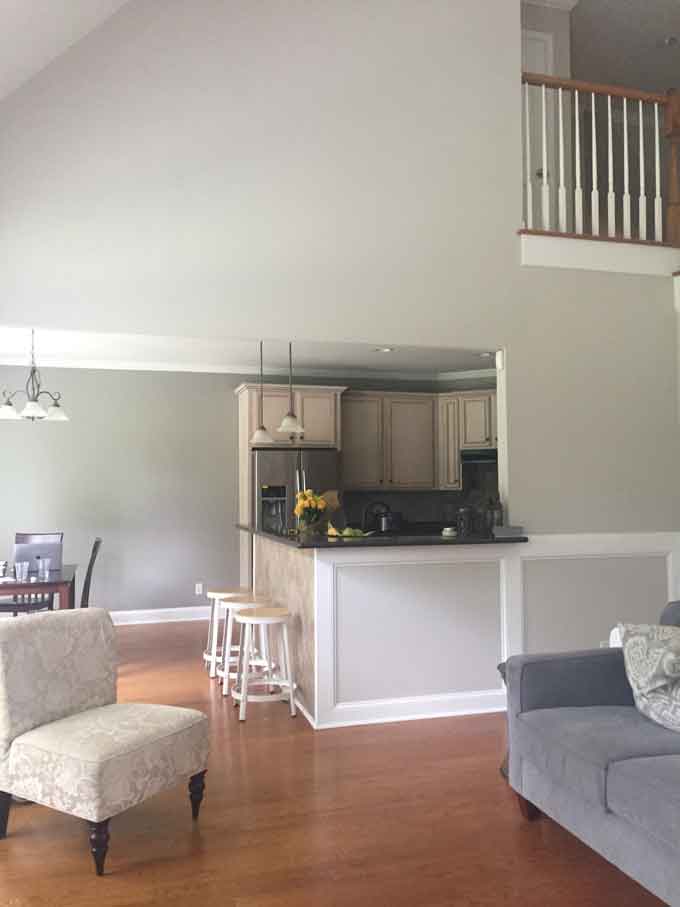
[33,411]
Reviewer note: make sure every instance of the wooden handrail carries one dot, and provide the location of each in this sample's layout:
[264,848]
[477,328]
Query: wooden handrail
[614,91]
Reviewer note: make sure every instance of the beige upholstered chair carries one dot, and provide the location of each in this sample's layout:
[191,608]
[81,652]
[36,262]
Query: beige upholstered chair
[67,744]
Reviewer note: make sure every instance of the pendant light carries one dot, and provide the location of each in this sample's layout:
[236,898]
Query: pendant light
[261,435]
[291,425]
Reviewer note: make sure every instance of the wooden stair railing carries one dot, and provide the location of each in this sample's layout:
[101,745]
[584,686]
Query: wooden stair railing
[552,212]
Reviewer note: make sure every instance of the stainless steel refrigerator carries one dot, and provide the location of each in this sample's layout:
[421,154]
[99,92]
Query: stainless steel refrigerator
[279,473]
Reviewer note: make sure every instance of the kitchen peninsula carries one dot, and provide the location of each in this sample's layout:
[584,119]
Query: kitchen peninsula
[393,628]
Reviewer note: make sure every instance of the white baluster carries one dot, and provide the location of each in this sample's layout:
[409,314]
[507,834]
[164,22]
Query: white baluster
[658,206]
[594,195]
[578,191]
[611,198]
[562,191]
[643,196]
[527,146]
[545,191]
[626,175]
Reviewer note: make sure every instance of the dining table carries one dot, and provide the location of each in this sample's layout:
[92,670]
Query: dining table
[61,582]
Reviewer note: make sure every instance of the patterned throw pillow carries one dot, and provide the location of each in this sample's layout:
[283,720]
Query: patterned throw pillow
[652,658]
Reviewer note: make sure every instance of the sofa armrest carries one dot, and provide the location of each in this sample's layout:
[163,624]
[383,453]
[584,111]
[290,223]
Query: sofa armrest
[592,677]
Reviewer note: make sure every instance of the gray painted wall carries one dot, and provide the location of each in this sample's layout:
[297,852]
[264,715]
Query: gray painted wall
[148,462]
[336,170]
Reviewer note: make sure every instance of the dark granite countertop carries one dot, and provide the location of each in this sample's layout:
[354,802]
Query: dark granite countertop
[377,541]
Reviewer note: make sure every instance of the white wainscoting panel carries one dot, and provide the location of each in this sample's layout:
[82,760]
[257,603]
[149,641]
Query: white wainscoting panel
[553,588]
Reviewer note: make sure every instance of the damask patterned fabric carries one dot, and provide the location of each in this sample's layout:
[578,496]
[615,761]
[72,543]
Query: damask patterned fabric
[97,763]
[53,665]
[64,742]
[652,659]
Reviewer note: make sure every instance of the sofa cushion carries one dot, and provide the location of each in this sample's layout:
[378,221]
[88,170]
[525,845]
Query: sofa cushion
[647,793]
[98,763]
[575,746]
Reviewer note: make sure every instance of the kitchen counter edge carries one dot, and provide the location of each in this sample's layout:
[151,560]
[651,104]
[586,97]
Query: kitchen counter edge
[377,541]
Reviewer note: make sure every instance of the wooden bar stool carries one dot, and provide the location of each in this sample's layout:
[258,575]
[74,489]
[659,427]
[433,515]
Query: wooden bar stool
[227,653]
[265,619]
[211,652]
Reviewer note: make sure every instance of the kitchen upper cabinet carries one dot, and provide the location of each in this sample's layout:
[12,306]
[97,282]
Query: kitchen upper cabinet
[362,447]
[449,474]
[318,412]
[475,421]
[409,441]
[317,408]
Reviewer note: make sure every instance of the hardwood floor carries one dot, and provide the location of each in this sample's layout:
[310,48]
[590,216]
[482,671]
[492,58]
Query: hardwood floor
[397,814]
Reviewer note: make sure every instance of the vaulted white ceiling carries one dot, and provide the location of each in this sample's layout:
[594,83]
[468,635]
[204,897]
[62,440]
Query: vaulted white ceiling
[35,32]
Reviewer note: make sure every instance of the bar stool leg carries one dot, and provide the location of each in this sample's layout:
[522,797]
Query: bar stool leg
[239,661]
[226,651]
[213,636]
[289,670]
[281,656]
[247,654]
[264,650]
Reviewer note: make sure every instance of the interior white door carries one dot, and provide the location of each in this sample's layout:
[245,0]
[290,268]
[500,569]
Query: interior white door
[538,56]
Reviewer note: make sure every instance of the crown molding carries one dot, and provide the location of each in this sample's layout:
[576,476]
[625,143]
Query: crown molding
[245,370]
[565,5]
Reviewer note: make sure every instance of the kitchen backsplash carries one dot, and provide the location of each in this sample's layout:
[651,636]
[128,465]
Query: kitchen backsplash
[415,506]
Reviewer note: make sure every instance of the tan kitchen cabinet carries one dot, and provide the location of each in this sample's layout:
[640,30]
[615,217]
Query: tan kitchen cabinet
[388,440]
[409,440]
[317,407]
[362,455]
[449,473]
[476,429]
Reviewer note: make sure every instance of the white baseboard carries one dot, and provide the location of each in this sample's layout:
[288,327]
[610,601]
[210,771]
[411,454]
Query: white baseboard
[160,615]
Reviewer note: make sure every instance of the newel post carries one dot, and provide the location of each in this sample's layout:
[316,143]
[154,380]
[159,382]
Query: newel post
[672,133]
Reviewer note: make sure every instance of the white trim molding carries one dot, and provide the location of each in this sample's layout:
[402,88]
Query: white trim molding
[543,250]
[160,615]
[565,5]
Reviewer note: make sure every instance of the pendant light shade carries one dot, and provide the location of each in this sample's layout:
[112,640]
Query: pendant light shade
[34,411]
[8,412]
[261,435]
[55,413]
[290,424]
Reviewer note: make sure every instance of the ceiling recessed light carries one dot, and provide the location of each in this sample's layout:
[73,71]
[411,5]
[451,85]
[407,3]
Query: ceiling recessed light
[384,349]
[485,355]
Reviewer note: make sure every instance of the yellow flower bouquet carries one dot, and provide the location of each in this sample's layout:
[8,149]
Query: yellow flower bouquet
[309,507]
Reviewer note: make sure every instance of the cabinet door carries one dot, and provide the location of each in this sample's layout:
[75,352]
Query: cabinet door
[409,441]
[317,410]
[475,421]
[494,420]
[362,441]
[275,407]
[448,449]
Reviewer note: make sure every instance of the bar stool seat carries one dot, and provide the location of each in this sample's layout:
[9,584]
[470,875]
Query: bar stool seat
[264,618]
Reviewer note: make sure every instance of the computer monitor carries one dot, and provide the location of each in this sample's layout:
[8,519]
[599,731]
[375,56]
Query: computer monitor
[33,546]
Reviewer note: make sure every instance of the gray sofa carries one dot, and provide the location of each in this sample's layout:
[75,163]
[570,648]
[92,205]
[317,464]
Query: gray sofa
[581,753]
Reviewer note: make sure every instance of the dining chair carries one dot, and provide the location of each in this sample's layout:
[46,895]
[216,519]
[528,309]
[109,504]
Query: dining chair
[85,594]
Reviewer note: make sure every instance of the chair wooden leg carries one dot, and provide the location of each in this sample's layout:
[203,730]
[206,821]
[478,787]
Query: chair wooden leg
[528,810]
[99,843]
[5,803]
[196,788]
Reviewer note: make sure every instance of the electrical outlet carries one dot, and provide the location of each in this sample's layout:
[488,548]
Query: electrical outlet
[198,589]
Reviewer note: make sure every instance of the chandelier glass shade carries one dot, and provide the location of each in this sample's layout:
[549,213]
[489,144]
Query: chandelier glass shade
[33,410]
